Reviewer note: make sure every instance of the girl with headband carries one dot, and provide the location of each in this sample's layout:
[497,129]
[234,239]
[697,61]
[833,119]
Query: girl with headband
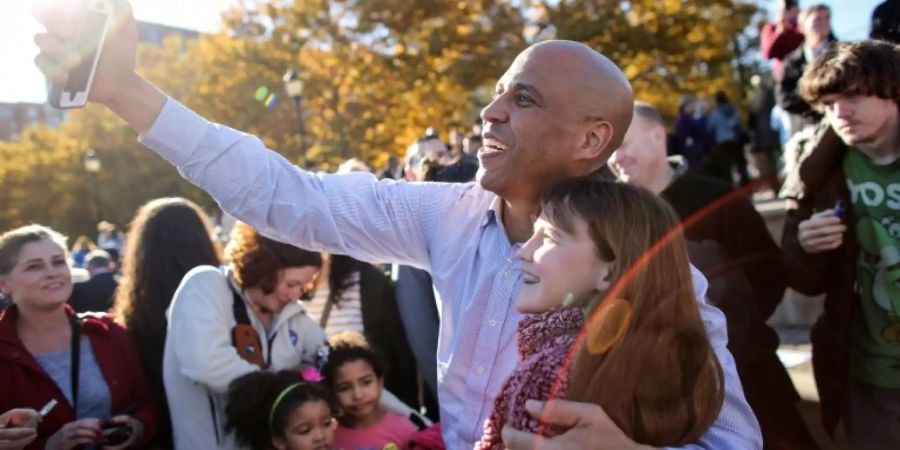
[280,411]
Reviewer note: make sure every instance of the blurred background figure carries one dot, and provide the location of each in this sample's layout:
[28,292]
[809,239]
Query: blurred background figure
[471,144]
[353,165]
[886,22]
[780,37]
[83,245]
[691,137]
[96,294]
[109,238]
[765,145]
[815,24]
[392,170]
[424,158]
[729,137]
[167,238]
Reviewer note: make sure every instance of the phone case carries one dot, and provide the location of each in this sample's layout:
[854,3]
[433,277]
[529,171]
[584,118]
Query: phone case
[91,36]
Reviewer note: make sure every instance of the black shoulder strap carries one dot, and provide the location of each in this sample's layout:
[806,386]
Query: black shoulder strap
[240,310]
[75,355]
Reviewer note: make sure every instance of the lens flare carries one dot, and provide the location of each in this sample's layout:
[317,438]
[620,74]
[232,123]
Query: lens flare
[261,93]
[270,101]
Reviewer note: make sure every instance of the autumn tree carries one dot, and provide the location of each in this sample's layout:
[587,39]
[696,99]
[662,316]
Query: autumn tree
[376,73]
[667,48]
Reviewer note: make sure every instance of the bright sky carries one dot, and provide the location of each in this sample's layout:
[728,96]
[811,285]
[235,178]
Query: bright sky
[20,81]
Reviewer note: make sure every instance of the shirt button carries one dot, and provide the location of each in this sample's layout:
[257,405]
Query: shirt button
[479,369]
[493,323]
[506,275]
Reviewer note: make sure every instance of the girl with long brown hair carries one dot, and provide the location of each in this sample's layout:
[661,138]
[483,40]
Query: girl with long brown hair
[166,239]
[613,318]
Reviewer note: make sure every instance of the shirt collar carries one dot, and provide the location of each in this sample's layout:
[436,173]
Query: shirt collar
[494,212]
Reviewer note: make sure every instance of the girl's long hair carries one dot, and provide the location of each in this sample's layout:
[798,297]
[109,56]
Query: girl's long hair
[167,238]
[659,380]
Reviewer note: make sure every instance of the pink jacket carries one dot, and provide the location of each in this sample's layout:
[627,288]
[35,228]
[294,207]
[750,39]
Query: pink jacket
[544,344]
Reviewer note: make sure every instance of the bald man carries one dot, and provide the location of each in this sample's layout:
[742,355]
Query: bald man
[559,111]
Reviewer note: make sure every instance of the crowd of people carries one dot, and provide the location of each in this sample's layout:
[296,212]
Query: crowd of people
[572,274]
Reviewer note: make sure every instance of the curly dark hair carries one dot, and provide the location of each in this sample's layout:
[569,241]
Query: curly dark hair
[167,238]
[257,259]
[347,347]
[250,401]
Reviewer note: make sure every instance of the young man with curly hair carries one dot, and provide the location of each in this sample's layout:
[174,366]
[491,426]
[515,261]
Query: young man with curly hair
[842,238]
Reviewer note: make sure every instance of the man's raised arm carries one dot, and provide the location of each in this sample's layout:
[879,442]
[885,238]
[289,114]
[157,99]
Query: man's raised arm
[353,214]
[116,84]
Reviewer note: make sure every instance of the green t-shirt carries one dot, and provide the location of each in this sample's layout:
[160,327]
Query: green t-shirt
[875,335]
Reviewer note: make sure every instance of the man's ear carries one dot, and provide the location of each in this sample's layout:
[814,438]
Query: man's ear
[596,140]
[279,443]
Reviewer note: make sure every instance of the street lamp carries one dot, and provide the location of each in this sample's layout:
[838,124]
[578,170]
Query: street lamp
[91,162]
[293,87]
[92,165]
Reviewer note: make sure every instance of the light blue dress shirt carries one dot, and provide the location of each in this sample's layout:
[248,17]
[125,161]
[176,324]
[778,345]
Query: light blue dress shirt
[451,230]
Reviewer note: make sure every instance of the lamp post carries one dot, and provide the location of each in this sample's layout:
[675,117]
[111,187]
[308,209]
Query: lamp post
[293,87]
[92,165]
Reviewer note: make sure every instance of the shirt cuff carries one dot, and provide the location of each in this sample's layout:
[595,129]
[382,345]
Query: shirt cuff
[176,133]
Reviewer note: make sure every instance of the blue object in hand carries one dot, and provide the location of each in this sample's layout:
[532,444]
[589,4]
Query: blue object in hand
[839,209]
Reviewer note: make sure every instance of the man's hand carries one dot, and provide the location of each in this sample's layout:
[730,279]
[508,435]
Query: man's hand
[823,231]
[115,72]
[116,84]
[589,428]
[14,435]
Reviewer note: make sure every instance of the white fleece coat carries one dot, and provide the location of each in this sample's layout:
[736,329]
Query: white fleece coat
[200,360]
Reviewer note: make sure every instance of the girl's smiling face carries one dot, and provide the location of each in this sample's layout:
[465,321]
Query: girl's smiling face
[557,264]
[309,427]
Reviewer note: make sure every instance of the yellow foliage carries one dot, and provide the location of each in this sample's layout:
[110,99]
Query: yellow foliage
[372,85]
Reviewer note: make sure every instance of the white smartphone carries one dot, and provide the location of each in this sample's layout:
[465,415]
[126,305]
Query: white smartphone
[91,34]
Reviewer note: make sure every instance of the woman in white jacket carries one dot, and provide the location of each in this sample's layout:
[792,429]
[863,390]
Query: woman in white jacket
[226,322]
